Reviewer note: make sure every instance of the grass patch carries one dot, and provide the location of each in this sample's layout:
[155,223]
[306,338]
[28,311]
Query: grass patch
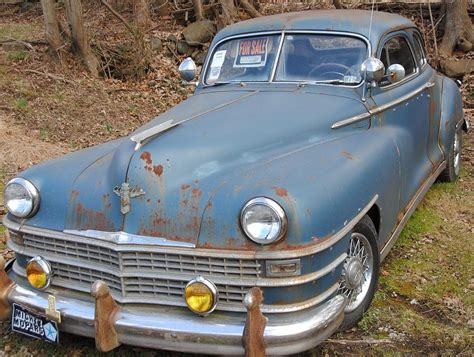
[21,103]
[20,31]
[19,55]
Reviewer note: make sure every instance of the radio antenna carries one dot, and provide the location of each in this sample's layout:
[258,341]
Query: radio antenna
[371,18]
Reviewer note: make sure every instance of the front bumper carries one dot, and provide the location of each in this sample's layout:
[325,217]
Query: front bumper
[169,328]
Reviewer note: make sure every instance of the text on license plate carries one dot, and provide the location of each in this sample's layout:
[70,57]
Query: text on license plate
[31,324]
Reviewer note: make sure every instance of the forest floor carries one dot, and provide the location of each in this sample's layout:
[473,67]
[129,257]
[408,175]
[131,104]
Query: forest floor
[425,300]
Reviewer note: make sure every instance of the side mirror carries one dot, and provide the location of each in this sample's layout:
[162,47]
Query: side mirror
[187,70]
[395,73]
[372,69]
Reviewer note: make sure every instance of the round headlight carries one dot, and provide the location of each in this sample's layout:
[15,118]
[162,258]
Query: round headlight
[263,220]
[38,273]
[201,296]
[21,198]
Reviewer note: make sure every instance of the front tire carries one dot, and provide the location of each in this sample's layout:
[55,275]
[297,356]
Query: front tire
[360,273]
[453,166]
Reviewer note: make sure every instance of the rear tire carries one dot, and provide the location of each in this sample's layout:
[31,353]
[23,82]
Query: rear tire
[360,273]
[453,165]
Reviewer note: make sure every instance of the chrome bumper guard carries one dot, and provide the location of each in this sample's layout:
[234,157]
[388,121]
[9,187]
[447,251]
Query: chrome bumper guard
[169,328]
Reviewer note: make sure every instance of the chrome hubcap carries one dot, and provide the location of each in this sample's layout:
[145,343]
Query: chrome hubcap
[357,271]
[457,153]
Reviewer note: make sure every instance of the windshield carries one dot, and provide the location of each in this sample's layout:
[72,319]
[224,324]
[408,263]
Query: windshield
[249,59]
[313,58]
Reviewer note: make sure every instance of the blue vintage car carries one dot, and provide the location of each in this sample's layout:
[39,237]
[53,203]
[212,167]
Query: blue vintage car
[309,142]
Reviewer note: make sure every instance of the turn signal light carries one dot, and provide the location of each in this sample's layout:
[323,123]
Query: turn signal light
[201,296]
[38,273]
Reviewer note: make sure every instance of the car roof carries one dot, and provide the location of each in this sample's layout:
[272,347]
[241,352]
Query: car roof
[356,21]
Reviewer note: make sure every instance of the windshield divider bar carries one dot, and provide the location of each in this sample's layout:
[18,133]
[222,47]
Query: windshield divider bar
[277,57]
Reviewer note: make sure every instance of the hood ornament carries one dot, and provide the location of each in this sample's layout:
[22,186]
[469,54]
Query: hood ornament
[126,193]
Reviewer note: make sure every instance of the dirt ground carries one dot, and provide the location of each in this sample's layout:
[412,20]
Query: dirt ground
[425,299]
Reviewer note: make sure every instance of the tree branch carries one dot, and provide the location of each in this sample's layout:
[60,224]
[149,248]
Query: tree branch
[118,16]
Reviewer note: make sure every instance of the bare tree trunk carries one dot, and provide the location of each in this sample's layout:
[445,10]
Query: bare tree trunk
[198,10]
[80,40]
[458,29]
[249,8]
[141,12]
[53,35]
[229,12]
[338,4]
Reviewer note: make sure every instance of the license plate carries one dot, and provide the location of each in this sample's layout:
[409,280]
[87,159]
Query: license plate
[34,325]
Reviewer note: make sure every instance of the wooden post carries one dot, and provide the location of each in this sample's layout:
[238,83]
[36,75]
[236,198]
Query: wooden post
[105,310]
[5,286]
[53,35]
[80,40]
[252,339]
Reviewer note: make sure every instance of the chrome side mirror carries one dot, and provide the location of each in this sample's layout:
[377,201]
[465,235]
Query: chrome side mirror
[395,73]
[187,70]
[372,70]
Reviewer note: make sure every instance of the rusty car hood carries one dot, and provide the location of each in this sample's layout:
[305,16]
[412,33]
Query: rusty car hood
[222,133]
[183,168]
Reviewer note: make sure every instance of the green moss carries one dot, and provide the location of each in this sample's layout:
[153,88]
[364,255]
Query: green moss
[20,55]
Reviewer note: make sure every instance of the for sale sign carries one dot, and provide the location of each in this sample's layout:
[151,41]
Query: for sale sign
[252,52]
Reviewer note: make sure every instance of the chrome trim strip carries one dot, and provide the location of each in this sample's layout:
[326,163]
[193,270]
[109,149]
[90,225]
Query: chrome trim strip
[264,254]
[410,209]
[402,99]
[351,120]
[382,108]
[284,32]
[149,133]
[124,238]
[300,305]
[145,135]
[277,57]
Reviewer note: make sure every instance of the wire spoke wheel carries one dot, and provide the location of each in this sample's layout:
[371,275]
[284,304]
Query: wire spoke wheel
[457,153]
[357,271]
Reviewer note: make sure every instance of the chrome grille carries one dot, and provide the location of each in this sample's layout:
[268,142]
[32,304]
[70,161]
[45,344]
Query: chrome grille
[141,277]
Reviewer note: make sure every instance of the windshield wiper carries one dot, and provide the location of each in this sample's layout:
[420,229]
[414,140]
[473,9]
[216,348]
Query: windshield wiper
[215,84]
[331,81]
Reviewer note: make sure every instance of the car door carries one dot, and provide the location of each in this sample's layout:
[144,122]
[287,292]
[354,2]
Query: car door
[403,109]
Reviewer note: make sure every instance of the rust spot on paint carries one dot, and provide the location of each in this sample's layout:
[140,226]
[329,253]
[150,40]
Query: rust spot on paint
[347,155]
[185,202]
[90,219]
[74,194]
[158,170]
[282,192]
[209,204]
[196,192]
[146,156]
[148,200]
[185,186]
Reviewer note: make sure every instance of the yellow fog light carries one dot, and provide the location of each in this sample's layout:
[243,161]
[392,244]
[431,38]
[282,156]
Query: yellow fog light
[201,296]
[38,273]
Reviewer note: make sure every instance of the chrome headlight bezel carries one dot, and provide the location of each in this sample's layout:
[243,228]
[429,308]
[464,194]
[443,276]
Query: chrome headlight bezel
[278,211]
[32,192]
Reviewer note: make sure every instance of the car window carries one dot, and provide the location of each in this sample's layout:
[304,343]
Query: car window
[321,58]
[397,51]
[419,50]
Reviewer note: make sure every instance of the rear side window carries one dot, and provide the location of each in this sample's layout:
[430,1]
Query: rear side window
[397,51]
[419,49]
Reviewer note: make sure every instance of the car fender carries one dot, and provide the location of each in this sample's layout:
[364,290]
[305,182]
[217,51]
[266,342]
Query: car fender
[452,115]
